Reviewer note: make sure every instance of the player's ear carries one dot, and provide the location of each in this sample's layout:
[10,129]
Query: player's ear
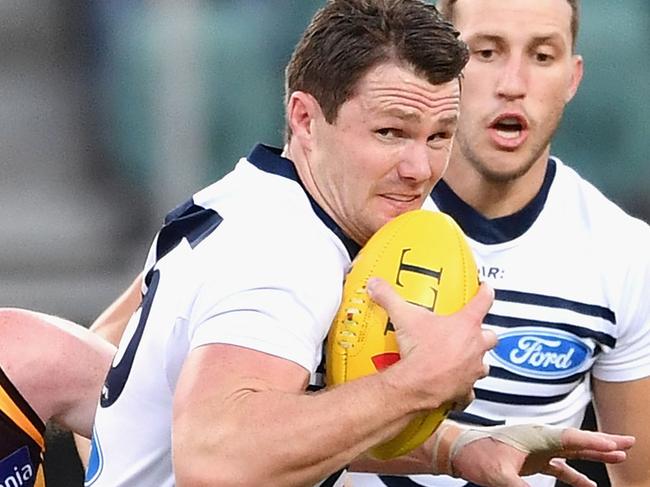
[576,76]
[302,111]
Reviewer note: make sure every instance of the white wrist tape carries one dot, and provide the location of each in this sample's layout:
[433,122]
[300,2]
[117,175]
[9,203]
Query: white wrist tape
[529,438]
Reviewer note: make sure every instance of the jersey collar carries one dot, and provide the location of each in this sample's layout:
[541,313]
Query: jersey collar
[496,230]
[269,159]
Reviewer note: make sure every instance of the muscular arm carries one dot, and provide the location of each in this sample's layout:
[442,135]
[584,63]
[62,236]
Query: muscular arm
[241,417]
[58,366]
[622,407]
[260,424]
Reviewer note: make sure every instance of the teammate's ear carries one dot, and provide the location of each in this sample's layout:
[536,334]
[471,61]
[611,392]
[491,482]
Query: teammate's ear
[301,113]
[576,76]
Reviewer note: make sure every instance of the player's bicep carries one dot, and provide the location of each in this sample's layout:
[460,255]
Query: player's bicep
[620,409]
[221,370]
[209,399]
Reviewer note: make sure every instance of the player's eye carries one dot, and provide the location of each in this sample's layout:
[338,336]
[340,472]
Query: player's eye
[484,54]
[439,138]
[440,135]
[388,133]
[543,57]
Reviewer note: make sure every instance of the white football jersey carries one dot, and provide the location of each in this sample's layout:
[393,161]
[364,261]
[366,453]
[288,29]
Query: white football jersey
[571,273]
[251,260]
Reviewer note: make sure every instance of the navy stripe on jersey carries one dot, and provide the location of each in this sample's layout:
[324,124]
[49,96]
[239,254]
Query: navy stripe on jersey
[332,479]
[467,418]
[269,159]
[555,302]
[317,380]
[502,397]
[500,373]
[395,481]
[118,374]
[510,322]
[187,221]
[496,230]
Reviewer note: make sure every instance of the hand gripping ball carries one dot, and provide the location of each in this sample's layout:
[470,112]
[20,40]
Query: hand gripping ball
[425,256]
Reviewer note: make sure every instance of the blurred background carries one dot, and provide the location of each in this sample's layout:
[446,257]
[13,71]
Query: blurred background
[115,111]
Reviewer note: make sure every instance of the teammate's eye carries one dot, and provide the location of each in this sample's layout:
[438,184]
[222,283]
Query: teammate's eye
[484,54]
[543,57]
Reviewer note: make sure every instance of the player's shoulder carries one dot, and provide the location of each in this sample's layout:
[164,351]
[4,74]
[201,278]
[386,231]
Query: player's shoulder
[258,221]
[277,227]
[264,206]
[597,213]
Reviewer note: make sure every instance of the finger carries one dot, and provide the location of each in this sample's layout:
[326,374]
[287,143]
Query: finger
[510,480]
[384,295]
[461,403]
[562,471]
[617,456]
[486,368]
[480,304]
[575,439]
[490,339]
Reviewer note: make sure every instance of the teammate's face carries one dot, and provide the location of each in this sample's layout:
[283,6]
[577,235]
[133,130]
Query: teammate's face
[388,146]
[520,76]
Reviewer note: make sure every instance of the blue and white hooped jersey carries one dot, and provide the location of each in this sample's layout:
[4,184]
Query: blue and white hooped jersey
[571,273]
[251,260]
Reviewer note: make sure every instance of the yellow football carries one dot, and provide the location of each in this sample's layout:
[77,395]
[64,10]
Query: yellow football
[425,256]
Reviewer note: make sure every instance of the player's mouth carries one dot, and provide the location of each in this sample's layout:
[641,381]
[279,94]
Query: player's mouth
[508,131]
[403,201]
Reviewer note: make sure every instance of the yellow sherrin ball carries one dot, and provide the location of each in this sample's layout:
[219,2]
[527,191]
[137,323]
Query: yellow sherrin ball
[425,256]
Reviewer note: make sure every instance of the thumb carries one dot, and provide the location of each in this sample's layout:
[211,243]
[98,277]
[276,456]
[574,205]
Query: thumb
[382,293]
[508,478]
[480,304]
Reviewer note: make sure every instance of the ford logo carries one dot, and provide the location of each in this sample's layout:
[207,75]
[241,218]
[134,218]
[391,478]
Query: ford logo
[541,354]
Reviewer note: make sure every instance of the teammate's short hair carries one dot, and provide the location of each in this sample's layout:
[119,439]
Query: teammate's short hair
[446,8]
[347,38]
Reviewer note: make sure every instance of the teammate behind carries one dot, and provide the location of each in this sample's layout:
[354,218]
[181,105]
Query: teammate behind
[571,271]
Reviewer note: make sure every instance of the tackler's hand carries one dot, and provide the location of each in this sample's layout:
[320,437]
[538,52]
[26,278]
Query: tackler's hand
[499,456]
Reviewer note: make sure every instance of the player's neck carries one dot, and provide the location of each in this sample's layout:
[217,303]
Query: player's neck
[494,198]
[296,153]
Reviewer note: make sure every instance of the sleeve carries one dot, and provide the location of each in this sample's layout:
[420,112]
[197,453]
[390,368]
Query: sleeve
[630,358]
[280,300]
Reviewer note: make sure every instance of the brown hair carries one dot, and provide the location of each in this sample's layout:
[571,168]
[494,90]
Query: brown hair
[446,8]
[347,38]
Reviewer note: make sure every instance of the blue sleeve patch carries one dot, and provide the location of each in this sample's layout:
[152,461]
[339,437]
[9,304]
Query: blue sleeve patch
[17,469]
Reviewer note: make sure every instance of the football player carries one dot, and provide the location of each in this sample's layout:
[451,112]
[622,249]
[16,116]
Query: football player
[570,269]
[209,386]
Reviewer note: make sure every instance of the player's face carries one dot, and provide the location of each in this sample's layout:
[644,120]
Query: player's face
[520,76]
[388,146]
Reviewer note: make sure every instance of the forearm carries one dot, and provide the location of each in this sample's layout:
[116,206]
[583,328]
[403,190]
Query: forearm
[418,461]
[110,324]
[82,377]
[619,409]
[286,439]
